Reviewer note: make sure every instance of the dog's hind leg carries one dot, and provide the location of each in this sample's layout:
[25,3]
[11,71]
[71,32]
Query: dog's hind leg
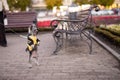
[35,58]
[30,62]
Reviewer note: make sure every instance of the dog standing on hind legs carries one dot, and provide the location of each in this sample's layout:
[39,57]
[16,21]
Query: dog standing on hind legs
[32,44]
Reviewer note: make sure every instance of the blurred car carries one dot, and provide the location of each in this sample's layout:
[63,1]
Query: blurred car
[102,12]
[110,12]
[41,14]
[116,10]
[44,18]
[119,12]
[44,13]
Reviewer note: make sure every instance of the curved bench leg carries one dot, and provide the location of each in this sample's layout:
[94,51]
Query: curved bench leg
[87,33]
[58,37]
[90,46]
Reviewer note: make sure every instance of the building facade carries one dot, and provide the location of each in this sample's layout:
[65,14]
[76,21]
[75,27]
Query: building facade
[117,3]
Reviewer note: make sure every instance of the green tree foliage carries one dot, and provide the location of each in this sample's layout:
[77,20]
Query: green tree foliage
[19,4]
[106,2]
[94,1]
[58,3]
[80,2]
[51,3]
[101,2]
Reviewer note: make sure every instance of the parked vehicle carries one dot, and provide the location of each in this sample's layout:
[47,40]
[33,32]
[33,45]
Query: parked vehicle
[41,14]
[102,12]
[116,10]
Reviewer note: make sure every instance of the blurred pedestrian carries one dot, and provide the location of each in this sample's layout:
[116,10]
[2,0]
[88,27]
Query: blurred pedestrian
[3,7]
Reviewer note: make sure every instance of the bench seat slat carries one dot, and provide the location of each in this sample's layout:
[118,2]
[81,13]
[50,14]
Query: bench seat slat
[16,25]
[20,19]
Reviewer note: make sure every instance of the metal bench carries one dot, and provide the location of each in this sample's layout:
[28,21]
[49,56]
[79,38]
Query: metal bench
[20,19]
[82,26]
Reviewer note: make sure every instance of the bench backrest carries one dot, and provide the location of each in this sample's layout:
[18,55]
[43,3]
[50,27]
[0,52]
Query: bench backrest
[84,14]
[83,20]
[20,19]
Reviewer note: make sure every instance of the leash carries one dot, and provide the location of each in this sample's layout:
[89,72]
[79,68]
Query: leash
[20,35]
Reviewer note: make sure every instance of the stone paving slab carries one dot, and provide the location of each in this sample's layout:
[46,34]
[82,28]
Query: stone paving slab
[72,63]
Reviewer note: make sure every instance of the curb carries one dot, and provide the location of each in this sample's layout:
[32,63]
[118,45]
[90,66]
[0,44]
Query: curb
[114,53]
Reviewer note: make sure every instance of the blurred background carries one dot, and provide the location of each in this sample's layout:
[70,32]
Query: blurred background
[48,10]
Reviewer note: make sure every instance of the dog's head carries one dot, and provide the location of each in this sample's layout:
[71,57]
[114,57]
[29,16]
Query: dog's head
[33,29]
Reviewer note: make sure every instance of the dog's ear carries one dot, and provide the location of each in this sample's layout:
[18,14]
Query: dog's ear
[29,29]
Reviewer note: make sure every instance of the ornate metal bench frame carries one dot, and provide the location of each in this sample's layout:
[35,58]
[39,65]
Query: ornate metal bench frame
[82,26]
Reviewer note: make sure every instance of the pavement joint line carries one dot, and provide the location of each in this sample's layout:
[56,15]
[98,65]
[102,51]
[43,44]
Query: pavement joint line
[114,53]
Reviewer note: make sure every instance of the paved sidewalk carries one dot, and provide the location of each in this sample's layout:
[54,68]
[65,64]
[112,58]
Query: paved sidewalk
[71,63]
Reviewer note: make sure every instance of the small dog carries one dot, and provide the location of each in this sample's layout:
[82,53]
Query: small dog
[32,44]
